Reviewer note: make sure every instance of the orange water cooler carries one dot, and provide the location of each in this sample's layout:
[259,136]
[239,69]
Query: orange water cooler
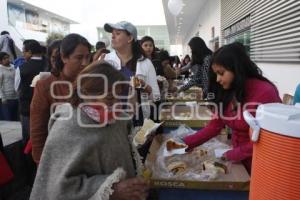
[276,152]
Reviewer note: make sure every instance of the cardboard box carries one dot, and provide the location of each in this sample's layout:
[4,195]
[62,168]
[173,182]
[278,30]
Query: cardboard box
[238,178]
[192,94]
[186,98]
[194,116]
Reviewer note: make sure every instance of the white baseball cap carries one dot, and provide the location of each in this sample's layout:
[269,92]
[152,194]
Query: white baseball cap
[123,25]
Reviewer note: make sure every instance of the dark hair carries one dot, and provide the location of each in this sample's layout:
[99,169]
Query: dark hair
[4,32]
[33,46]
[106,51]
[174,60]
[199,50]
[163,55]
[157,62]
[137,52]
[2,55]
[148,39]
[94,85]
[43,50]
[185,57]
[100,45]
[233,57]
[51,47]
[67,47]
[27,41]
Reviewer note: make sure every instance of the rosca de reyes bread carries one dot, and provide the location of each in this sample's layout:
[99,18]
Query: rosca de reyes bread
[135,82]
[172,144]
[177,167]
[212,165]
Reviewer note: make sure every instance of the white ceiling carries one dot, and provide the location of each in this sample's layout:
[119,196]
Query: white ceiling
[180,26]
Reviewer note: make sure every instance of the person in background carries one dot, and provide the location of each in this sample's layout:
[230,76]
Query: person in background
[201,56]
[185,61]
[129,59]
[51,52]
[8,94]
[71,57]
[297,95]
[100,45]
[237,84]
[93,161]
[23,78]
[148,46]
[100,49]
[7,45]
[20,60]
[175,62]
[165,63]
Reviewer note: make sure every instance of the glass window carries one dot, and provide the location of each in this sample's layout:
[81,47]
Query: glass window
[242,37]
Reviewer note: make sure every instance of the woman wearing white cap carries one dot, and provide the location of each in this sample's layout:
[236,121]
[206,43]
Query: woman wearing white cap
[129,59]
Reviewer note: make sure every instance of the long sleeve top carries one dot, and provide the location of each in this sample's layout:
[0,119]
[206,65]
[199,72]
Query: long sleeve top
[143,67]
[258,92]
[7,75]
[40,110]
[200,76]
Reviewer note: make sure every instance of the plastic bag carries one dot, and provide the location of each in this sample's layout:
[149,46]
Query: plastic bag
[189,165]
[182,131]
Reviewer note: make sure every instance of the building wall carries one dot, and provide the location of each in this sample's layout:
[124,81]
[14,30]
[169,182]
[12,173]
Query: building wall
[158,32]
[222,14]
[285,76]
[3,14]
[274,40]
[21,28]
[210,17]
[4,25]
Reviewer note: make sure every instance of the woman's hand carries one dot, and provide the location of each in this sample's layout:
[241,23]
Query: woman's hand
[223,157]
[146,87]
[130,189]
[98,56]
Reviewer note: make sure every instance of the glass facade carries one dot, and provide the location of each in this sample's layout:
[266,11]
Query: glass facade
[32,20]
[242,37]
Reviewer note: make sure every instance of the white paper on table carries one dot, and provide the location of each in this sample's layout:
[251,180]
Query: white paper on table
[219,152]
[174,152]
[154,127]
[148,133]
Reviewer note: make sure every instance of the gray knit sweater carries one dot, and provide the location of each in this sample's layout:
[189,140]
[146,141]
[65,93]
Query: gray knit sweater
[80,163]
[7,81]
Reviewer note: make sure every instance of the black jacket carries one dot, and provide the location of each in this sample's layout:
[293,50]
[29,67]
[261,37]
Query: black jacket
[27,72]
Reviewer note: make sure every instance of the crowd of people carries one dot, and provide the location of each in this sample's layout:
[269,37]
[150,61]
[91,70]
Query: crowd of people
[51,91]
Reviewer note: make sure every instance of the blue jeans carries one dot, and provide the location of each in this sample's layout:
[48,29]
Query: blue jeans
[10,110]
